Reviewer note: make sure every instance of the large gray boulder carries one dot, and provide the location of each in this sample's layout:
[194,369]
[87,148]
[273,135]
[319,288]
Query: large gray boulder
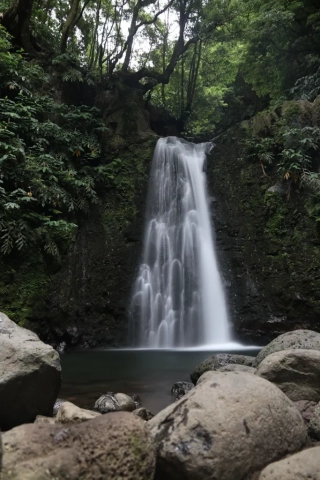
[229,426]
[107,447]
[295,372]
[314,424]
[304,465]
[298,339]
[30,375]
[220,360]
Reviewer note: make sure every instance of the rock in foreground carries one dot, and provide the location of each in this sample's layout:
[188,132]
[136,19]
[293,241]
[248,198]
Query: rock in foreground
[228,426]
[109,446]
[304,465]
[30,375]
[295,372]
[296,340]
[217,361]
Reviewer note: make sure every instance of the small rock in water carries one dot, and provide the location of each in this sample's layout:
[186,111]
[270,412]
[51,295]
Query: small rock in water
[61,347]
[314,425]
[136,399]
[114,402]
[57,405]
[70,413]
[143,413]
[179,389]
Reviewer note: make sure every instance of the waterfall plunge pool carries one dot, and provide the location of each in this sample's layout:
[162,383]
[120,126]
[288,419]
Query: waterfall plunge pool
[148,373]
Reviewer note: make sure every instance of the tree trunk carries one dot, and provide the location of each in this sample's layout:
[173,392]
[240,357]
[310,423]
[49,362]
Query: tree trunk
[16,20]
[69,25]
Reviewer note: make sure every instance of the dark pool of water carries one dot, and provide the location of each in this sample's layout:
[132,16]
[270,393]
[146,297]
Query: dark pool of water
[150,374]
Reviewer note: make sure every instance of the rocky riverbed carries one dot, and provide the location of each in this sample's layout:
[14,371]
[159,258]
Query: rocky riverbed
[240,418]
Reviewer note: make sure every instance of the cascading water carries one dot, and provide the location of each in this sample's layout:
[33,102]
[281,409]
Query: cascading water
[178,299]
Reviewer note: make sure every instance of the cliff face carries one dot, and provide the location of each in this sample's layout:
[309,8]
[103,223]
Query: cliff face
[89,296]
[268,245]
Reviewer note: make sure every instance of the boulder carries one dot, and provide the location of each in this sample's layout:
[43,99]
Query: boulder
[306,409]
[298,339]
[219,360]
[314,425]
[235,367]
[40,419]
[137,400]
[70,413]
[143,413]
[30,375]
[114,402]
[295,372]
[230,425]
[109,446]
[304,465]
[179,389]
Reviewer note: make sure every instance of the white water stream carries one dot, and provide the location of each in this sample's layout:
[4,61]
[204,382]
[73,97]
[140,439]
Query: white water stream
[178,299]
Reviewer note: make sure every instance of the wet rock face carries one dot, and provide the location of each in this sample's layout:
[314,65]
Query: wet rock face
[230,415]
[295,372]
[89,296]
[109,446]
[30,375]
[267,247]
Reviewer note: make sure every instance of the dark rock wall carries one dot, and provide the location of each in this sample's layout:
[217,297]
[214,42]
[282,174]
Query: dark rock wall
[89,297]
[268,246]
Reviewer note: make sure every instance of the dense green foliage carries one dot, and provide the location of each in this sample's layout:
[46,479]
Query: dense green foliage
[207,63]
[49,158]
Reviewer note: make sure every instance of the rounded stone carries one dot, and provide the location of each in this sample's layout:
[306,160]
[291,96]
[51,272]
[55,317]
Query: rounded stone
[295,372]
[217,361]
[30,375]
[304,465]
[235,367]
[143,413]
[109,446]
[297,339]
[231,424]
[114,402]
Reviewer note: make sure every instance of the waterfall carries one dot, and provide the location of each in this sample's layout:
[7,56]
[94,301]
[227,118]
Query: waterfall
[178,299]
